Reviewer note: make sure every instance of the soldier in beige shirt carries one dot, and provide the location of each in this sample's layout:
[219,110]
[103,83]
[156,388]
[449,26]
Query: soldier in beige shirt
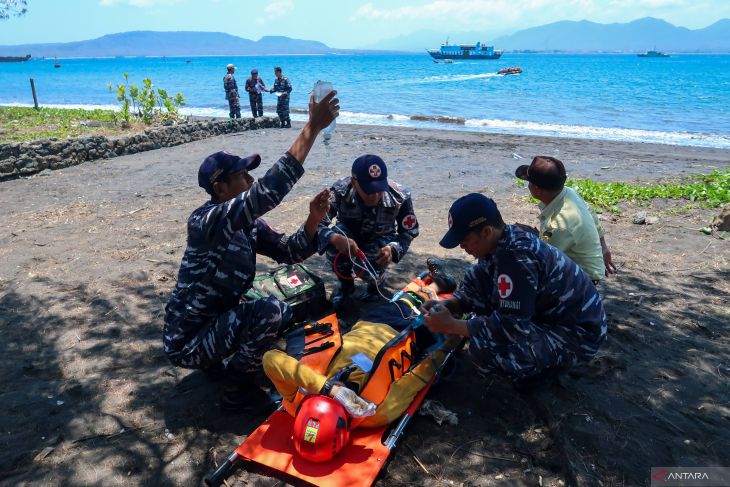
[566,220]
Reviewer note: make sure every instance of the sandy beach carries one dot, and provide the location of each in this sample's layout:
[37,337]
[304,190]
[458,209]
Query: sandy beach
[89,254]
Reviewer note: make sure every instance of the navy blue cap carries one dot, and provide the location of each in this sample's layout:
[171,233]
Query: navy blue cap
[371,173]
[467,213]
[221,164]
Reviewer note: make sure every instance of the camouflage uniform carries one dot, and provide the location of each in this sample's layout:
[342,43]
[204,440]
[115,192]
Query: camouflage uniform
[533,307]
[282,85]
[234,103]
[205,320]
[254,96]
[392,222]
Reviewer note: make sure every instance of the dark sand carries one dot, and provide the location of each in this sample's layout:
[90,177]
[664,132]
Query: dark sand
[89,254]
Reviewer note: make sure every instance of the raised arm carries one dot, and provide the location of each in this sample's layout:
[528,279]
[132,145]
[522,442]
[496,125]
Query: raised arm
[320,116]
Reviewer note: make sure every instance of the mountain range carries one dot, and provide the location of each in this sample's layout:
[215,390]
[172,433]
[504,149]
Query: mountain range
[151,43]
[582,36]
[568,36]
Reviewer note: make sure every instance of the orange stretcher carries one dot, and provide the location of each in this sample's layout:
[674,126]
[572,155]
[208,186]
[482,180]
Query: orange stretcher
[270,448]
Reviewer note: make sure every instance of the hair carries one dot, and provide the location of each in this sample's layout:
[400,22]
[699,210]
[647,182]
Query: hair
[277,69]
[558,163]
[549,158]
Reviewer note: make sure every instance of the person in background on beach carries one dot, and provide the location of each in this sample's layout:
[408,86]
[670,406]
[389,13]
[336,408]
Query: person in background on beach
[231,87]
[283,86]
[535,312]
[254,87]
[566,220]
[373,214]
[206,321]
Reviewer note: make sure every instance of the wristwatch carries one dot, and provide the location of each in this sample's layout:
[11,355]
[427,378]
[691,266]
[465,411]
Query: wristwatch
[327,388]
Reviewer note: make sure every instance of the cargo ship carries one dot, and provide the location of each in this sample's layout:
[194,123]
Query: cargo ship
[464,51]
[14,59]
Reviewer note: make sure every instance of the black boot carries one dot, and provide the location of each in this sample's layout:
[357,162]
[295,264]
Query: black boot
[215,371]
[444,280]
[288,123]
[372,293]
[342,293]
[244,396]
[538,382]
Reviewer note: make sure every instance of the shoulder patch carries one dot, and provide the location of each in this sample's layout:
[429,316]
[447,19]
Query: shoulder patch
[504,286]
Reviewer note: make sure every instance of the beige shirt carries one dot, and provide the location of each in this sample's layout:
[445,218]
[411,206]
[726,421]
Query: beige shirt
[572,226]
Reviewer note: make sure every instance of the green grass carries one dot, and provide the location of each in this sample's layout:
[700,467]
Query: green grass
[19,124]
[707,190]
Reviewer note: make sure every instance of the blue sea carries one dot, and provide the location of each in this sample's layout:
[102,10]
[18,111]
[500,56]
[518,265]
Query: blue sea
[682,100]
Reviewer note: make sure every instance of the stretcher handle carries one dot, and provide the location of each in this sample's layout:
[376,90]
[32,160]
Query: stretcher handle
[393,437]
[223,471]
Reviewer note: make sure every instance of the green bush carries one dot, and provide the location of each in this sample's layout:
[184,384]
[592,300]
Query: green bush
[148,103]
[710,190]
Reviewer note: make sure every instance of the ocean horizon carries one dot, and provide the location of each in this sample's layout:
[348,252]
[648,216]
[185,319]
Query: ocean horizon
[682,100]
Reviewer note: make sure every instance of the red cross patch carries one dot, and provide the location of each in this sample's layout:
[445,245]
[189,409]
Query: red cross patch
[504,285]
[451,222]
[293,281]
[409,222]
[374,171]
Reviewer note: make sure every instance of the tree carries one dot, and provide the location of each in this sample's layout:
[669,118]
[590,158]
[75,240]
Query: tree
[12,8]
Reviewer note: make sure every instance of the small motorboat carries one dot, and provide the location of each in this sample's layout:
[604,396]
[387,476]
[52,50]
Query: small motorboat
[510,70]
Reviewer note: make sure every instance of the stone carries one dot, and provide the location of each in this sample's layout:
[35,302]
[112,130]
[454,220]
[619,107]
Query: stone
[652,220]
[7,166]
[721,222]
[26,165]
[639,218]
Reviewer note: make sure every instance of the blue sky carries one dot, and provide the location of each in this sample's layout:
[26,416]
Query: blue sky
[342,23]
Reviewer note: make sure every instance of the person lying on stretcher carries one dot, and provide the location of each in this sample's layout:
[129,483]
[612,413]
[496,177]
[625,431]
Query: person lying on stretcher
[348,371]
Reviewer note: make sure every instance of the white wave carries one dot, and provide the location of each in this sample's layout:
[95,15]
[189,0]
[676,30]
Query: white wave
[720,141]
[604,133]
[455,78]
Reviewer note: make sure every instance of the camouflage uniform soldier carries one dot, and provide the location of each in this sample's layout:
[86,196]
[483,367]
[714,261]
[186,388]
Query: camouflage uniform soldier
[206,320]
[283,86]
[254,87]
[535,311]
[374,215]
[231,87]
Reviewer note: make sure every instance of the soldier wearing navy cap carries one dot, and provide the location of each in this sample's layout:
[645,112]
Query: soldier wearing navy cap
[231,88]
[254,87]
[373,214]
[534,311]
[206,320]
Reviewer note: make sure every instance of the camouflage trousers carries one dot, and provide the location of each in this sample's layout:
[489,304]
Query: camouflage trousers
[369,247]
[243,333]
[234,106]
[282,108]
[523,349]
[257,105]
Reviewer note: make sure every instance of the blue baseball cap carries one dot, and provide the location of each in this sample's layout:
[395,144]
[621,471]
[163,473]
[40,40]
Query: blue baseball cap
[371,173]
[467,213]
[221,164]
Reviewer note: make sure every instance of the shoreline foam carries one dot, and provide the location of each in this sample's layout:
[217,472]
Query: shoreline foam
[497,126]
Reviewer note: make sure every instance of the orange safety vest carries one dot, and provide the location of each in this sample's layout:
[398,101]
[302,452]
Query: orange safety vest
[396,358]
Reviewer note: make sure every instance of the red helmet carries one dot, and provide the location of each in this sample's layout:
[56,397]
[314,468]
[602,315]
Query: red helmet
[321,428]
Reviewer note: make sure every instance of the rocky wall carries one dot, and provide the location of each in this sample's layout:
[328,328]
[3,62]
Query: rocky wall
[26,158]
